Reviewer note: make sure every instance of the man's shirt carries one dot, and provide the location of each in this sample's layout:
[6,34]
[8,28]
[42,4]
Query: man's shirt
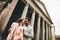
[28,31]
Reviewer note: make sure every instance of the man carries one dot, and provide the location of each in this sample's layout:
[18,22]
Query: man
[28,29]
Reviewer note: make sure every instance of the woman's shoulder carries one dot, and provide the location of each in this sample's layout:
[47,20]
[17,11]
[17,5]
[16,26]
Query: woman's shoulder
[14,23]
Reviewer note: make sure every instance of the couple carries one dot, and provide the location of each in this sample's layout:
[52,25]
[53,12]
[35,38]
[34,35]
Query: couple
[20,30]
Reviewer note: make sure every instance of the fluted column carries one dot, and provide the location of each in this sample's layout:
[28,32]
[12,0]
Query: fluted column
[7,12]
[38,28]
[32,22]
[53,32]
[43,30]
[25,11]
[32,19]
[46,31]
[49,32]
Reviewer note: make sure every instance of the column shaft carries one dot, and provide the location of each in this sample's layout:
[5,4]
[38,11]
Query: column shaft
[25,11]
[38,28]
[32,19]
[43,31]
[7,14]
[49,32]
[46,31]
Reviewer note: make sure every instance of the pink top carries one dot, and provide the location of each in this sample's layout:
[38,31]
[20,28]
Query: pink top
[16,32]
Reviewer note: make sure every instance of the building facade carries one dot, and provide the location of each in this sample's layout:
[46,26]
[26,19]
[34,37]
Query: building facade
[33,9]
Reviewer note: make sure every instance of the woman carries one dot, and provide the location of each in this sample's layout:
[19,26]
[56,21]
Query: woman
[11,30]
[16,31]
[18,34]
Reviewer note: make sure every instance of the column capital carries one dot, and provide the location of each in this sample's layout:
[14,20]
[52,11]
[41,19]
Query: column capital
[39,16]
[33,11]
[27,4]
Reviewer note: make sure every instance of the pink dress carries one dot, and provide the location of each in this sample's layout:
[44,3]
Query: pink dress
[18,34]
[12,30]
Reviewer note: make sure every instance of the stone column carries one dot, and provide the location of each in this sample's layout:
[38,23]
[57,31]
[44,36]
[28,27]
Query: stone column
[46,31]
[49,32]
[25,11]
[32,19]
[53,32]
[38,28]
[32,22]
[7,14]
[43,30]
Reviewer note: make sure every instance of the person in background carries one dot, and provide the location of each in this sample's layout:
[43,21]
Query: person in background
[28,29]
[16,30]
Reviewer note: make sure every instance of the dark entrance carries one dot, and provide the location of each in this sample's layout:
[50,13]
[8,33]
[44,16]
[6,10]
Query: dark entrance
[15,15]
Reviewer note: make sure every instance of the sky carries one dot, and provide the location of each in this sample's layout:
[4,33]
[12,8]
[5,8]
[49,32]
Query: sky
[53,8]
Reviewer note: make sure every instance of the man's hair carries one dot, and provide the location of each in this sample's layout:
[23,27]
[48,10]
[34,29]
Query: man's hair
[28,19]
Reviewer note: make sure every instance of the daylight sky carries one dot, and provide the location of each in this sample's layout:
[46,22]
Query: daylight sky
[53,7]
